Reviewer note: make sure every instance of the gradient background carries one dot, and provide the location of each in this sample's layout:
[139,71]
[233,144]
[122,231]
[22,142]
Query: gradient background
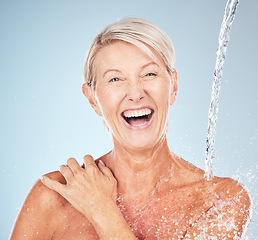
[45,118]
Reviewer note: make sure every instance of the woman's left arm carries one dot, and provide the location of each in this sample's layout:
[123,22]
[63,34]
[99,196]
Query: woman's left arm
[228,218]
[93,192]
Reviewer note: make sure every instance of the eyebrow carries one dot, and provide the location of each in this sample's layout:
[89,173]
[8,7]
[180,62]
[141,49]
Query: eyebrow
[142,67]
[148,64]
[110,70]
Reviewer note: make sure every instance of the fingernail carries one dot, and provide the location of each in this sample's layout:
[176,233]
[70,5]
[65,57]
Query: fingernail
[102,163]
[41,177]
[61,167]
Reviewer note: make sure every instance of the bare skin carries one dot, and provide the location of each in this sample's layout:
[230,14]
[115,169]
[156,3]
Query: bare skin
[142,191]
[178,208]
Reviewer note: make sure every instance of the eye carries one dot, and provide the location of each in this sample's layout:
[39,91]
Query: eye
[151,74]
[114,79]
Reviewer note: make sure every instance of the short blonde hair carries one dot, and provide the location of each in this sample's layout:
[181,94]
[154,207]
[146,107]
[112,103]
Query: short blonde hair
[137,31]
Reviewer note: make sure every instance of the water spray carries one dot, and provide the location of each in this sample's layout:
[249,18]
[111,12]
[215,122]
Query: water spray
[228,19]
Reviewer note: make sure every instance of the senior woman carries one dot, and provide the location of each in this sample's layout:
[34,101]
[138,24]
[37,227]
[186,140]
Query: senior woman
[139,190]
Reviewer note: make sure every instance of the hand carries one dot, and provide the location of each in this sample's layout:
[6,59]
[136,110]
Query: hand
[90,190]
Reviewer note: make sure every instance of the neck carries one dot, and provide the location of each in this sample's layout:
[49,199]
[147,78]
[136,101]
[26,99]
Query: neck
[139,172]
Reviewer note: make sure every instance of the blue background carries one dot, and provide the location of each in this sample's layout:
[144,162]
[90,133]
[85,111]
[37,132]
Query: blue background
[45,119]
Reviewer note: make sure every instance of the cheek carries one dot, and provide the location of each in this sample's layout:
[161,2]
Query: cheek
[160,90]
[108,100]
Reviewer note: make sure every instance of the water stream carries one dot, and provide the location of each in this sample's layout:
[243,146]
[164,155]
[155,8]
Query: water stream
[228,18]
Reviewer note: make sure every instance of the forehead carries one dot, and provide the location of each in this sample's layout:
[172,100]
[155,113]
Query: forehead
[121,54]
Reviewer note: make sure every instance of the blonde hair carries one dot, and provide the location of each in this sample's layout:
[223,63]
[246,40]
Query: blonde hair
[137,31]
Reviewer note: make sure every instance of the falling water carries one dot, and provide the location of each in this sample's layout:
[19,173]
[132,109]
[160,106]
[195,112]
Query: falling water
[228,18]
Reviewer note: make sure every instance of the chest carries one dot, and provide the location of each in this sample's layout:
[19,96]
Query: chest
[165,217]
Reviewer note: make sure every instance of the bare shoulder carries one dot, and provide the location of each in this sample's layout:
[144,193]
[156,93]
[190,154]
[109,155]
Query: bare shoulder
[229,212]
[233,191]
[226,190]
[42,202]
[229,184]
[229,204]
[43,195]
[193,175]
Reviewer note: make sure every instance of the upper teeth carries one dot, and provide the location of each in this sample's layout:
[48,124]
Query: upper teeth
[137,113]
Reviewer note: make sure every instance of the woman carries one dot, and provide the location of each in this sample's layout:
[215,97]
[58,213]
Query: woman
[139,190]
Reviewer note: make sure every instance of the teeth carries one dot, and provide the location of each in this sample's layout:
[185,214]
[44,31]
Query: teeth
[137,113]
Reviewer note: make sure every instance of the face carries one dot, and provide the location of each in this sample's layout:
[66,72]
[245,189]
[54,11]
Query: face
[133,94]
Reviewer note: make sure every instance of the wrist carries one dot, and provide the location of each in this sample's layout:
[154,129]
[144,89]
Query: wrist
[95,212]
[100,214]
[109,223]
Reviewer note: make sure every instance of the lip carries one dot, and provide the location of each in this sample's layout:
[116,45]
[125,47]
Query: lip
[143,126]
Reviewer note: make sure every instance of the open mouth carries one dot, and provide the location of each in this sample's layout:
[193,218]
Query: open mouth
[138,117]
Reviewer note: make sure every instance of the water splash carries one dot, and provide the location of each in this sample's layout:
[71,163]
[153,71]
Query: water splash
[228,18]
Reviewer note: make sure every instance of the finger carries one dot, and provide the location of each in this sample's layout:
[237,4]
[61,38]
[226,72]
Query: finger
[52,184]
[105,170]
[88,160]
[73,165]
[66,172]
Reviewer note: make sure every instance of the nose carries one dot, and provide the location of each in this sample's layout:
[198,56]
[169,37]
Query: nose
[135,93]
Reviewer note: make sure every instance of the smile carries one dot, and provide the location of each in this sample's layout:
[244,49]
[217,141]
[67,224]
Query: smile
[137,117]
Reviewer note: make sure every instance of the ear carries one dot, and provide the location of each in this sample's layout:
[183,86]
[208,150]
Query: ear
[89,94]
[174,87]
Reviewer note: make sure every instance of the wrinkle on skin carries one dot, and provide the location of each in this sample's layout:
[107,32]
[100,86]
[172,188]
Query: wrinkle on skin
[130,82]
[139,156]
[140,169]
